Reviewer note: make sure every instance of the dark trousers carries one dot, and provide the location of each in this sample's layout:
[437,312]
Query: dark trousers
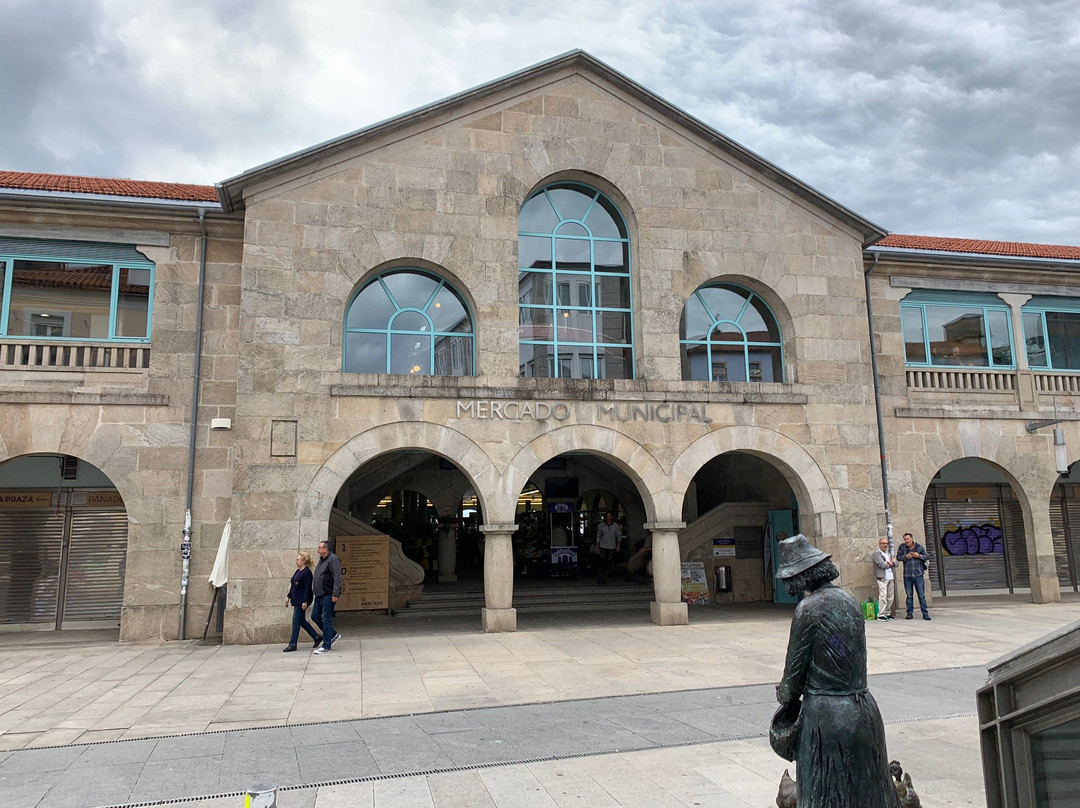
[299,621]
[918,585]
[603,564]
[322,615]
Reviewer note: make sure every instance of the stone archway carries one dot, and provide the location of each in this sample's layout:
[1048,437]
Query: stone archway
[813,491]
[448,443]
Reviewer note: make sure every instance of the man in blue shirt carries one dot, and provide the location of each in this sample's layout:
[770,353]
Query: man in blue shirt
[915,559]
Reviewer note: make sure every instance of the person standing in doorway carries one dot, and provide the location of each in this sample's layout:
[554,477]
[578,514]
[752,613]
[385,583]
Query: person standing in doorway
[608,541]
[300,597]
[915,559]
[884,564]
[327,590]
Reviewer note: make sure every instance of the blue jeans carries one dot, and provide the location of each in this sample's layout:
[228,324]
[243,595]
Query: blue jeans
[322,615]
[299,621]
[919,586]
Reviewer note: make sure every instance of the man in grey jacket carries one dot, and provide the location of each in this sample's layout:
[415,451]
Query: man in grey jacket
[326,585]
[884,564]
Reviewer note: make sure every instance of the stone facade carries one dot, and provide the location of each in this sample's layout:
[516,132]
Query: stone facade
[440,190]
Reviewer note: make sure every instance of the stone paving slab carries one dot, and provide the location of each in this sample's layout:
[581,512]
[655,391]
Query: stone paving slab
[119,772]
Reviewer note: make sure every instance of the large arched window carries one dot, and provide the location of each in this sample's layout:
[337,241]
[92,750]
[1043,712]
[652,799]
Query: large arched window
[574,286]
[728,334]
[410,322]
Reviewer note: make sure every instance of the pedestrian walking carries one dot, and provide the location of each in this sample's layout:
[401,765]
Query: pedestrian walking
[608,542]
[326,587]
[300,597]
[884,564]
[915,559]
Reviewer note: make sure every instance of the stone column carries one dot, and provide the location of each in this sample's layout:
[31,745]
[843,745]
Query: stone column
[1042,564]
[497,614]
[448,553]
[1025,383]
[668,609]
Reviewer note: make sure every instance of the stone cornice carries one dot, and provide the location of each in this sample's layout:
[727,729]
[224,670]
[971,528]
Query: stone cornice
[107,397]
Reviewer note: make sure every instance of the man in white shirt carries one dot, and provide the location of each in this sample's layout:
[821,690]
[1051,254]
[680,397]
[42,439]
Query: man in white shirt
[884,563]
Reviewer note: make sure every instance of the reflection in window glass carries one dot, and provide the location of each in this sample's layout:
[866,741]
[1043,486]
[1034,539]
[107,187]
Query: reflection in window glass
[729,334]
[914,337]
[1053,339]
[1055,763]
[71,300]
[584,300]
[957,335]
[411,323]
[1034,339]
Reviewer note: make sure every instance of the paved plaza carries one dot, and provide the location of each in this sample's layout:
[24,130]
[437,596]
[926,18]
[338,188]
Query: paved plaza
[603,709]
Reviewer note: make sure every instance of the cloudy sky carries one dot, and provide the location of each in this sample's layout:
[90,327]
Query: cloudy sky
[954,118]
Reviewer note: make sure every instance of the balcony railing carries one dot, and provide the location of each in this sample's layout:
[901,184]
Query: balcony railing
[1068,383]
[26,355]
[961,379]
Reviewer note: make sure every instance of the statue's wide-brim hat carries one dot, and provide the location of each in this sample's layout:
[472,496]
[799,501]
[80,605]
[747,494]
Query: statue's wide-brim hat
[797,555]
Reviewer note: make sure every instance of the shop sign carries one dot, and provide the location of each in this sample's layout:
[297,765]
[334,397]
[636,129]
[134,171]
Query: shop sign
[104,499]
[723,548]
[365,572]
[512,410]
[26,499]
[967,492]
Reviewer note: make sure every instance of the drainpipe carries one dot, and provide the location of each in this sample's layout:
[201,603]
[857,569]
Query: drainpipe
[877,406]
[185,545]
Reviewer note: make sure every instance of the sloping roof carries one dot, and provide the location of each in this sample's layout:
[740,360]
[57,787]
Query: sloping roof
[1014,249]
[231,190]
[104,186]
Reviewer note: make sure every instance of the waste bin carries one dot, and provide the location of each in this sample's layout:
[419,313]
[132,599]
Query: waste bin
[723,579]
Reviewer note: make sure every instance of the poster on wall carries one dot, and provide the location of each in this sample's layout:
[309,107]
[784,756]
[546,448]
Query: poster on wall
[365,572]
[695,585]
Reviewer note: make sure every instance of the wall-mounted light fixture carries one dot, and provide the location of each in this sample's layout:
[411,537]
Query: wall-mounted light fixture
[1060,457]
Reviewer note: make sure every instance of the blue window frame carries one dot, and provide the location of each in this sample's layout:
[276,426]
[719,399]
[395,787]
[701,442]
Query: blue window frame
[956,329]
[409,322]
[1052,333]
[574,298]
[75,291]
[729,334]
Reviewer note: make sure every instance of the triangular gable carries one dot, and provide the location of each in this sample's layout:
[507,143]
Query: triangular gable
[231,190]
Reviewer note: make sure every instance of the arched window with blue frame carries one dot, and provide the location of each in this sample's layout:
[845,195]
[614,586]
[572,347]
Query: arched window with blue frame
[410,322]
[956,329]
[574,300]
[729,334]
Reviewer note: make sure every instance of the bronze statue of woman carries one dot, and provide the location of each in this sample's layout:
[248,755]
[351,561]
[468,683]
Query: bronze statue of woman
[838,740]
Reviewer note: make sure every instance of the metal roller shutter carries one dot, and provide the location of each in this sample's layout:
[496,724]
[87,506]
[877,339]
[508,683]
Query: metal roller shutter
[1059,531]
[1015,541]
[966,564]
[97,553]
[933,547]
[30,549]
[1072,515]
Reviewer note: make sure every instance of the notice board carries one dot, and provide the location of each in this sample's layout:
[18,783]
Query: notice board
[365,572]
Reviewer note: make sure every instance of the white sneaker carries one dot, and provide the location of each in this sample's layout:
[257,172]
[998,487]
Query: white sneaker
[322,650]
[883,617]
[336,638]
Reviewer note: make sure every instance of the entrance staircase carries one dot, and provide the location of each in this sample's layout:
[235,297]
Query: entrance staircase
[532,597]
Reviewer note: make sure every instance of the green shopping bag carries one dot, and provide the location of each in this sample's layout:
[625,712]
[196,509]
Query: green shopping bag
[869,609]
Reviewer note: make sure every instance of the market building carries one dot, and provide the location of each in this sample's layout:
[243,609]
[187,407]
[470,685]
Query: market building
[479,326]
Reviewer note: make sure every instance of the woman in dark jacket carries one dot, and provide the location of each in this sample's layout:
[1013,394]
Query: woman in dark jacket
[299,597]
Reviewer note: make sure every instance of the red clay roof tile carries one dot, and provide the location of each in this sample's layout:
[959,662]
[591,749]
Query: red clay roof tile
[967,245]
[62,183]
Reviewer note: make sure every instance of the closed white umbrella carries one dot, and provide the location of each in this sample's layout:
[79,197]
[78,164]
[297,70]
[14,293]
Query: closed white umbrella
[219,575]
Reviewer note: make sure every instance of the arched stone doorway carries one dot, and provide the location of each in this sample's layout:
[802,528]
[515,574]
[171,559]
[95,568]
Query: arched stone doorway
[737,506]
[63,544]
[975,531]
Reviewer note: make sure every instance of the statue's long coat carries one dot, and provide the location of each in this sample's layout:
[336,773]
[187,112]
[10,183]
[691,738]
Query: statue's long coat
[841,759]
